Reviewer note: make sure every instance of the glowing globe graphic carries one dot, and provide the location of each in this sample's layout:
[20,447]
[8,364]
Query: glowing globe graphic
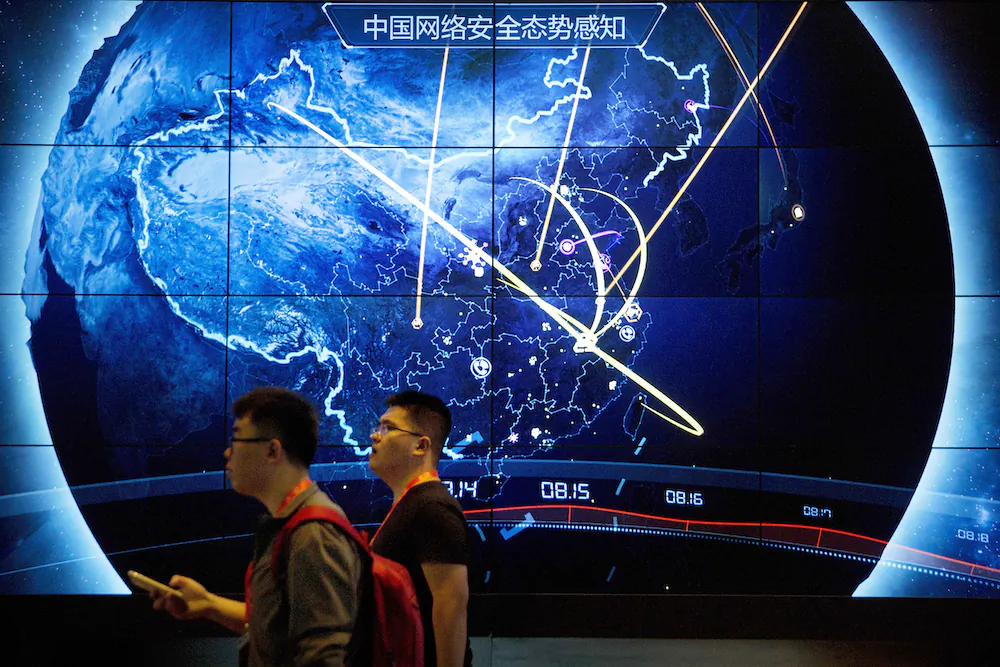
[349,222]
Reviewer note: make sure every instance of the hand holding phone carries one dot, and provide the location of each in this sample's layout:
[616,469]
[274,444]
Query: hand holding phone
[151,585]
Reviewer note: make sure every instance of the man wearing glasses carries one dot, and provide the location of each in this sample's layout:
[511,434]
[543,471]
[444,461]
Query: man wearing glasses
[303,612]
[425,530]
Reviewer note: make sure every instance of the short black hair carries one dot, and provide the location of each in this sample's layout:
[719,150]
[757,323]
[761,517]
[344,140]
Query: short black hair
[430,414]
[285,415]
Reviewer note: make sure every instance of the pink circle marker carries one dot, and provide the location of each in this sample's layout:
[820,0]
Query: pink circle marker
[566,247]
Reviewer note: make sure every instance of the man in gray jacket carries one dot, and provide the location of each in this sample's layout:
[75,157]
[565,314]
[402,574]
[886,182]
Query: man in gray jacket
[304,611]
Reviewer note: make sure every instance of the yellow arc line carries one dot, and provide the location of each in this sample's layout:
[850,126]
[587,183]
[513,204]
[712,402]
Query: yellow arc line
[427,197]
[640,275]
[655,412]
[595,254]
[562,160]
[746,82]
[715,142]
[583,336]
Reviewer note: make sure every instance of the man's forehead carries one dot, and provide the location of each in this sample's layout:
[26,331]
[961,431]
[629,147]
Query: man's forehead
[397,414]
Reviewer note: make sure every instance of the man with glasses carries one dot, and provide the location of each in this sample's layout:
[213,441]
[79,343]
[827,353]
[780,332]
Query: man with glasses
[304,611]
[425,530]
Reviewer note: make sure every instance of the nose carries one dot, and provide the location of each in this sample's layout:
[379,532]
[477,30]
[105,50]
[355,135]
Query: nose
[228,452]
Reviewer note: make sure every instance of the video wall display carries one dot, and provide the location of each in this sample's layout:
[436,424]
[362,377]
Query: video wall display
[711,289]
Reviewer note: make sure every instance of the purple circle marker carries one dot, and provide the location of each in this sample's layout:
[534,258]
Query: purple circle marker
[605,262]
[566,247]
[690,106]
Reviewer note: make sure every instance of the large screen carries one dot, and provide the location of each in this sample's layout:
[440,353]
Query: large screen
[711,289]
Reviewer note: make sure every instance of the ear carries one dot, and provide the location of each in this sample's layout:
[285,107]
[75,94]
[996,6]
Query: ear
[276,451]
[423,446]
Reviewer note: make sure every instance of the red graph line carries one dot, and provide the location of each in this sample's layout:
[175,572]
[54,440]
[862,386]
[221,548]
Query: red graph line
[762,525]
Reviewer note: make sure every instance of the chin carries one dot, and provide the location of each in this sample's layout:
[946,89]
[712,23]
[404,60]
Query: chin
[237,486]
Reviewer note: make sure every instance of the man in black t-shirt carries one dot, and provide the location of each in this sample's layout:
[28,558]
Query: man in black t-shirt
[425,530]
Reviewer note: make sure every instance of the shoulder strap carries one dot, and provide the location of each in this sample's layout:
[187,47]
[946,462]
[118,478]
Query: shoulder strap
[279,554]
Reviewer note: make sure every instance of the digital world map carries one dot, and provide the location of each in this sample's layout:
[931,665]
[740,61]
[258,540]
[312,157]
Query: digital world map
[318,235]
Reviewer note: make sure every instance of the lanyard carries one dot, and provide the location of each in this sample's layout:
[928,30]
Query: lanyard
[419,479]
[292,495]
[299,488]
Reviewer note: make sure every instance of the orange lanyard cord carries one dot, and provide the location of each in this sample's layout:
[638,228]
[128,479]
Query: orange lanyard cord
[293,494]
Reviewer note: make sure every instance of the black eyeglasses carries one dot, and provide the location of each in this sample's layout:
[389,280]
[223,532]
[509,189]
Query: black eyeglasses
[232,440]
[382,428]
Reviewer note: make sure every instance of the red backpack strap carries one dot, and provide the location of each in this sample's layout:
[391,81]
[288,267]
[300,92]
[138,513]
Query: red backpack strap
[279,553]
[246,591]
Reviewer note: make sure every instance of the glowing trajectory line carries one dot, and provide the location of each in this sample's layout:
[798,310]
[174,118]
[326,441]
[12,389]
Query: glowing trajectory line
[715,142]
[417,322]
[746,82]
[643,255]
[589,239]
[586,341]
[537,264]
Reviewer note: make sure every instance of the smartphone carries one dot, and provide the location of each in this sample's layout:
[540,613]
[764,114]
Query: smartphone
[147,584]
